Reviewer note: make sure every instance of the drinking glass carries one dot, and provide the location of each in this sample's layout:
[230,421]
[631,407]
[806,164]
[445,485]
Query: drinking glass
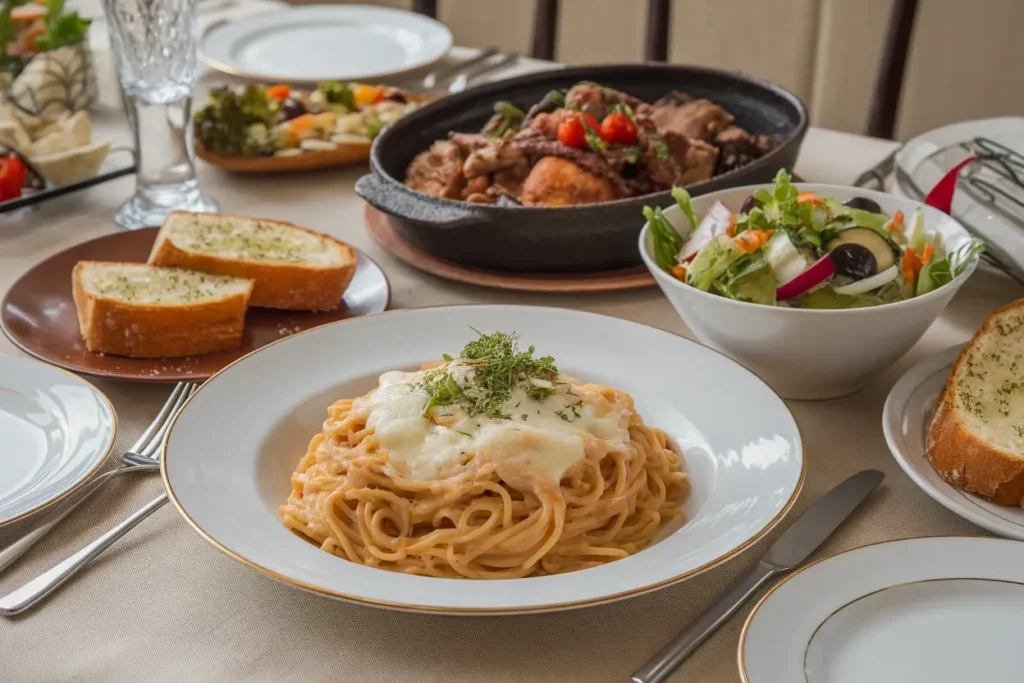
[154,45]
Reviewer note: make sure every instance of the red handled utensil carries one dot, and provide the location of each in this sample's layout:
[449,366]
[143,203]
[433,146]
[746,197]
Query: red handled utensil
[941,196]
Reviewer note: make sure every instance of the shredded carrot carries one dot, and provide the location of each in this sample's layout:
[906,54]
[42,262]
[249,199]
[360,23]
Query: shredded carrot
[896,222]
[911,265]
[302,124]
[809,198]
[750,241]
[927,253]
[731,230]
[278,92]
[679,272]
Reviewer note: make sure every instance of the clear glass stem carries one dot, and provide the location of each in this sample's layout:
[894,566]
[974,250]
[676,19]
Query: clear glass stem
[166,174]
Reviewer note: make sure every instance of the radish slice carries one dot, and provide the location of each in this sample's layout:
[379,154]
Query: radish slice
[715,222]
[869,283]
[820,270]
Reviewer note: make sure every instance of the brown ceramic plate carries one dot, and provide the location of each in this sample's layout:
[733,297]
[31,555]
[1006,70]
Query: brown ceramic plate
[38,314]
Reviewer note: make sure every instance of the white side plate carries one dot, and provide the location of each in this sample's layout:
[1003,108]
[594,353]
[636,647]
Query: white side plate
[325,42]
[905,419]
[55,431]
[230,454]
[942,610]
[916,175]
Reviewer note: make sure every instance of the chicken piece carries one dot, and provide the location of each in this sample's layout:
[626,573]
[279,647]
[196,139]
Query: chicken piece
[597,99]
[555,181]
[696,158]
[438,171]
[490,158]
[697,120]
[477,185]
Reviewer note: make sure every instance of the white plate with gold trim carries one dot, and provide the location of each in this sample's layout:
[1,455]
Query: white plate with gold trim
[314,43]
[905,419]
[55,431]
[230,453]
[941,610]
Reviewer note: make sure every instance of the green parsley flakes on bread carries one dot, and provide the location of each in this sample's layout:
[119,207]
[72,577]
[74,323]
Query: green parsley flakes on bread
[976,439]
[293,268]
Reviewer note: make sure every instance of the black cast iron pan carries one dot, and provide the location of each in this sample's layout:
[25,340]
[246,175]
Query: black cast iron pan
[564,239]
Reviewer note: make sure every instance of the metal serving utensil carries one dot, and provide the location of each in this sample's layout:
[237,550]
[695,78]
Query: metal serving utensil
[794,546]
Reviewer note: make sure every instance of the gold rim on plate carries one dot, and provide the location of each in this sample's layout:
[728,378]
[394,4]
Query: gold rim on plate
[479,611]
[757,607]
[86,477]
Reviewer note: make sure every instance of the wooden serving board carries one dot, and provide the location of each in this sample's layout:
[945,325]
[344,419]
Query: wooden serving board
[346,154]
[380,228]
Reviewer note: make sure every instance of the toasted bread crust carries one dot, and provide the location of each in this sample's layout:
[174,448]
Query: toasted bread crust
[278,285]
[963,458]
[157,330]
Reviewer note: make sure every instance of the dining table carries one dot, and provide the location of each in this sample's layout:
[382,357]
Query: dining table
[164,605]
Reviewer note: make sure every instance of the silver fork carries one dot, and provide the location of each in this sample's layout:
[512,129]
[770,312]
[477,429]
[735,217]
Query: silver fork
[143,456]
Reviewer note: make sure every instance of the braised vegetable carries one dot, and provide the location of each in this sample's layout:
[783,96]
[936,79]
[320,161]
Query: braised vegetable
[224,124]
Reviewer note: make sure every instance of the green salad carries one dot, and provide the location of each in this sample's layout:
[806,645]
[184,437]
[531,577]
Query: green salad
[797,249]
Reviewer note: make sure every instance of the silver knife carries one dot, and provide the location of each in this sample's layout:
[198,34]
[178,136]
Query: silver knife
[794,546]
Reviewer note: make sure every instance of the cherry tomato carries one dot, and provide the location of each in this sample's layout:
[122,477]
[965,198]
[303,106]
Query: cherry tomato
[572,132]
[12,176]
[618,129]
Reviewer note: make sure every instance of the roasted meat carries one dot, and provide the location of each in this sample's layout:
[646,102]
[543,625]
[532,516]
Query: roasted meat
[556,181]
[676,141]
[697,120]
[489,158]
[738,148]
[438,171]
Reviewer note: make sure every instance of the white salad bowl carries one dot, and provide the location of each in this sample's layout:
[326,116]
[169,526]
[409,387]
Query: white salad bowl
[802,353]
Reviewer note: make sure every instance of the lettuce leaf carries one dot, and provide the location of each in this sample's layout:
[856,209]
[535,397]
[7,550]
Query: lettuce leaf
[665,240]
[711,262]
[942,271]
[749,278]
[682,198]
[828,298]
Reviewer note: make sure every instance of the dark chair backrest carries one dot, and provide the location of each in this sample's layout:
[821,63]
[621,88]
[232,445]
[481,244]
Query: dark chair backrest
[545,27]
[889,82]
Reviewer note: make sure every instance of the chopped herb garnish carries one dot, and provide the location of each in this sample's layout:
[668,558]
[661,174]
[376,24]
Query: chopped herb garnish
[486,373]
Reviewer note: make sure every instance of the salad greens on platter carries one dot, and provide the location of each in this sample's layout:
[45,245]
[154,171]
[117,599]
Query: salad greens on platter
[797,249]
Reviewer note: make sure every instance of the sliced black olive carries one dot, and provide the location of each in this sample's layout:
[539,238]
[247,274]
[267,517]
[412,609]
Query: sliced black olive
[881,253]
[864,204]
[854,260]
[748,204]
[291,108]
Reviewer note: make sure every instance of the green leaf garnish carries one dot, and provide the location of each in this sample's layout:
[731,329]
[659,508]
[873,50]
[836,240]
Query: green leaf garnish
[486,373]
[62,28]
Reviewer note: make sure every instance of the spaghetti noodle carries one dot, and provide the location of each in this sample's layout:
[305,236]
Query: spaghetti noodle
[557,476]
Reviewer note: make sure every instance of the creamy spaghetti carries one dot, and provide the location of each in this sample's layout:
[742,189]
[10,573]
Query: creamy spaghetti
[490,465]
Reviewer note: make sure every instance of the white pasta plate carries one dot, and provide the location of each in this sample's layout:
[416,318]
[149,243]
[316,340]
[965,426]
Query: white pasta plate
[942,610]
[231,452]
[905,419]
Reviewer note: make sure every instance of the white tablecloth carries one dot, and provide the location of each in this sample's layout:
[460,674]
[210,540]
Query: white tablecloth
[162,605]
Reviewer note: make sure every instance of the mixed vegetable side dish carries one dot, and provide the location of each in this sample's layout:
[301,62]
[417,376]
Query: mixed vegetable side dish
[797,249]
[278,120]
[587,144]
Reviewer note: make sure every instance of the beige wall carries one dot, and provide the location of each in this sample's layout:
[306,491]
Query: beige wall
[964,63]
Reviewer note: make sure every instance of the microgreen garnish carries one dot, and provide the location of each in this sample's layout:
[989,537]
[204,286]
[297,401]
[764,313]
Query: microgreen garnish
[486,373]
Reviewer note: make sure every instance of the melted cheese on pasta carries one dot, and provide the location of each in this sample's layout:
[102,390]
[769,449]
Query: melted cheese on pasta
[547,436]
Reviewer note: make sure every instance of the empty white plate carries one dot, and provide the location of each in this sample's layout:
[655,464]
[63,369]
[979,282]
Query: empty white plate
[325,42]
[905,419]
[55,431]
[942,610]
